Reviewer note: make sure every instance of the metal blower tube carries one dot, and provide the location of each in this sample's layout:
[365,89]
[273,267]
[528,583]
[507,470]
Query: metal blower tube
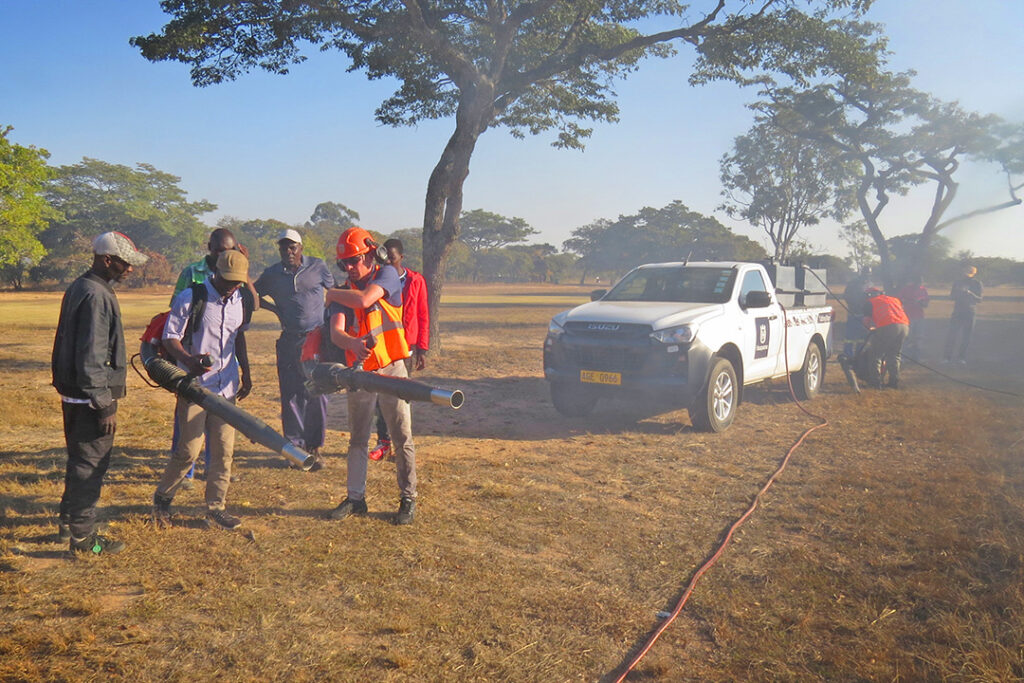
[175,380]
[327,378]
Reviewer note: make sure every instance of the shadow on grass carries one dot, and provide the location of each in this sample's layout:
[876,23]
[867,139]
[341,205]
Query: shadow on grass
[520,409]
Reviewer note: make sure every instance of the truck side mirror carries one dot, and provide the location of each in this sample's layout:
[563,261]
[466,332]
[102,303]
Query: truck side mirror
[758,299]
[597,294]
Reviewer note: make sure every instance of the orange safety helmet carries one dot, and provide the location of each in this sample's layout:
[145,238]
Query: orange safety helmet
[353,242]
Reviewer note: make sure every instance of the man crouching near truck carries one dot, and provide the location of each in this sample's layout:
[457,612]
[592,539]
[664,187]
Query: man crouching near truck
[372,335]
[889,328]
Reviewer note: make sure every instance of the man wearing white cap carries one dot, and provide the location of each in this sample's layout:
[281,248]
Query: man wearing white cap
[296,286]
[89,372]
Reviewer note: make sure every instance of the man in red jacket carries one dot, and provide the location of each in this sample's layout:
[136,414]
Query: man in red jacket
[889,328]
[415,320]
[415,315]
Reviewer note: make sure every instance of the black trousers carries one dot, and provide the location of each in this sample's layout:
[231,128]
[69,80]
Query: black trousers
[88,458]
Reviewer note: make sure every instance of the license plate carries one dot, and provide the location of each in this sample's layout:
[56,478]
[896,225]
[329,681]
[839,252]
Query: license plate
[595,377]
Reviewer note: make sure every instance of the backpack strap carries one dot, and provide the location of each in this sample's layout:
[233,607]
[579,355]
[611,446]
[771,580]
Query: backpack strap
[248,304]
[195,314]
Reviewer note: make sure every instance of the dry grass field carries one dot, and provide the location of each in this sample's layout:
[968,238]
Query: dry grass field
[890,549]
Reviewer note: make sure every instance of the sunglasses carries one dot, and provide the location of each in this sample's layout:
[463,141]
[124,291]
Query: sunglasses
[350,261]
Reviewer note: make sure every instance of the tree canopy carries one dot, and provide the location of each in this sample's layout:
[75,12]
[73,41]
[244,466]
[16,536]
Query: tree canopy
[671,233]
[24,211]
[782,183]
[486,230]
[144,203]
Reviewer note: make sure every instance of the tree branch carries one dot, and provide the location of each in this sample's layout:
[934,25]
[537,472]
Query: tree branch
[979,212]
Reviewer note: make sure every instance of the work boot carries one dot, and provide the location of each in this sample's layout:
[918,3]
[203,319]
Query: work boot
[349,506]
[381,451]
[96,544]
[222,519]
[161,510]
[406,510]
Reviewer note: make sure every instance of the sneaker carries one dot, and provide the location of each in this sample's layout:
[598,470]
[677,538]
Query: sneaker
[349,506]
[381,451]
[97,545]
[406,508]
[161,510]
[222,519]
[318,463]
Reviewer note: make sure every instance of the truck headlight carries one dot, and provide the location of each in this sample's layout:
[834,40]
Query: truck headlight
[556,327]
[683,334]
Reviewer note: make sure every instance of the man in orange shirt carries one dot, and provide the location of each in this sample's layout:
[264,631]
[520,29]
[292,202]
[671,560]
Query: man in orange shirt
[889,329]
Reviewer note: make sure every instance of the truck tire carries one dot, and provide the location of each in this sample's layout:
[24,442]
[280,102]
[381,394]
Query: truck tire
[572,400]
[808,380]
[715,409]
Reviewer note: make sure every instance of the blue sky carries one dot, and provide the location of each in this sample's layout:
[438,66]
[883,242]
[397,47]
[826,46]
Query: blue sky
[269,146]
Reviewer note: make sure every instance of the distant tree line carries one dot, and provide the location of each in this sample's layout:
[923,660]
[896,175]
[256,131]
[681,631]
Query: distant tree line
[48,217]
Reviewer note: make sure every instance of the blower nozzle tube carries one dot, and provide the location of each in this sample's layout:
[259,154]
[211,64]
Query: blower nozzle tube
[175,380]
[327,378]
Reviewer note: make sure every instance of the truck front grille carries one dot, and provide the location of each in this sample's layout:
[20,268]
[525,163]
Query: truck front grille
[608,360]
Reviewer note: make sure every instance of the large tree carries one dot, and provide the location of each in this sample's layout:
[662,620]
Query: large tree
[671,233]
[486,230]
[144,203]
[327,222]
[23,207]
[528,65]
[782,183]
[830,86]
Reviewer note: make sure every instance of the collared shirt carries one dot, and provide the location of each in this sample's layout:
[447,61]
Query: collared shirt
[300,295]
[217,330]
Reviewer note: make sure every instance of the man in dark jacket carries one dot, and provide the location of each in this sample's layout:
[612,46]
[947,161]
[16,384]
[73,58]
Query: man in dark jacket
[89,372]
[966,294]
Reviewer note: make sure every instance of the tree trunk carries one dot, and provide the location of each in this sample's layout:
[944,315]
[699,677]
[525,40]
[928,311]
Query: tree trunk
[443,204]
[871,219]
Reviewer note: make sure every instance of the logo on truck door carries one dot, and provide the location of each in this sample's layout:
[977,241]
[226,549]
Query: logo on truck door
[763,336]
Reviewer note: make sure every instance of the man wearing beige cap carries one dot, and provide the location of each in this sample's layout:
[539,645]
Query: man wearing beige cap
[89,372]
[215,352]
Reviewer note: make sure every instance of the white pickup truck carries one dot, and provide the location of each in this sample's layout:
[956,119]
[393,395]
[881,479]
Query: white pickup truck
[696,332]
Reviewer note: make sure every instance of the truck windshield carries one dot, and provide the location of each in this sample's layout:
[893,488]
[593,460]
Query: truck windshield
[675,283]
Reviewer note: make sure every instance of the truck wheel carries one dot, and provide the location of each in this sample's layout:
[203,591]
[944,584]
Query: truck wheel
[715,408]
[807,381]
[571,400]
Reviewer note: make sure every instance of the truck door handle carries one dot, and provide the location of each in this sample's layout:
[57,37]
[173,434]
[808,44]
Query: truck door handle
[773,317]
